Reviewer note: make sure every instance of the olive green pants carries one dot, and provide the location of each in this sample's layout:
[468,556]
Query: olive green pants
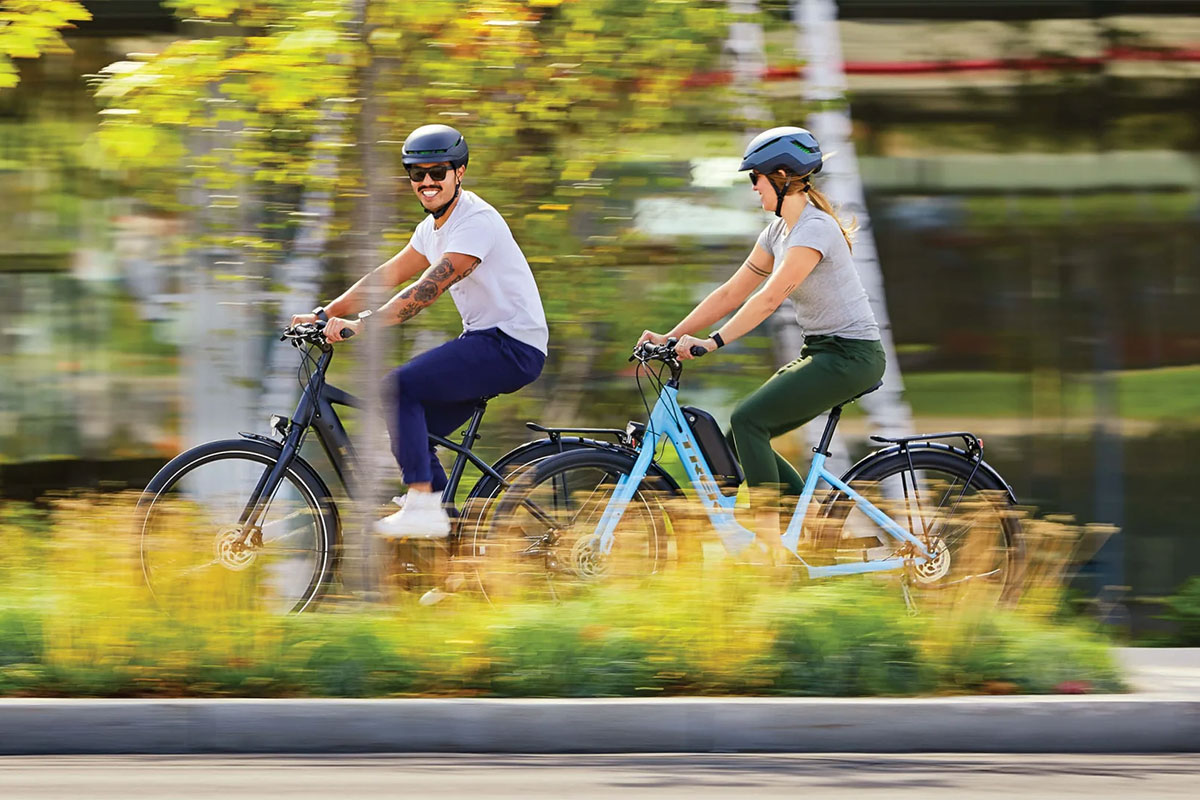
[830,370]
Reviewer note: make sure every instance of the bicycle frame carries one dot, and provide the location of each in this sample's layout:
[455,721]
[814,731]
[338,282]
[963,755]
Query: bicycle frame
[315,410]
[667,421]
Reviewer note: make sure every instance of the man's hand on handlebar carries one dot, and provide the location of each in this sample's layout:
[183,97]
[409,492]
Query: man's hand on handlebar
[339,330]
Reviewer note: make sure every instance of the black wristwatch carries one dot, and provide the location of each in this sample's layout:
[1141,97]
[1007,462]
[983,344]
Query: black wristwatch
[716,337]
[320,312]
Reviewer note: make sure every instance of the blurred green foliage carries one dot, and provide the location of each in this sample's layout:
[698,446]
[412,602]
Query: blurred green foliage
[1184,610]
[29,28]
[76,620]
[543,90]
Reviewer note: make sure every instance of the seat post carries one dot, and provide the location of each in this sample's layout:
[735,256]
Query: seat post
[460,461]
[822,447]
[471,433]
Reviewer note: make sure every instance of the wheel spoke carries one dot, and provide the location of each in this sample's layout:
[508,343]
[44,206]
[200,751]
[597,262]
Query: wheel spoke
[282,568]
[969,536]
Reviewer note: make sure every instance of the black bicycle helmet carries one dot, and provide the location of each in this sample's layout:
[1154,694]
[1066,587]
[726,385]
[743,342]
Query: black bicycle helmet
[429,144]
[789,148]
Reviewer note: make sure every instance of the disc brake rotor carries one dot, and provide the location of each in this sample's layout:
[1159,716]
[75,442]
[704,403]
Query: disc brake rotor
[936,568]
[231,552]
[587,560]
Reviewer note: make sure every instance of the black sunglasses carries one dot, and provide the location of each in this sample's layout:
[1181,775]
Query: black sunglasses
[417,174]
[754,176]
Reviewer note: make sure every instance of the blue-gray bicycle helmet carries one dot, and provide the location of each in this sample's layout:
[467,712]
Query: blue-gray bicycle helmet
[435,144]
[794,150]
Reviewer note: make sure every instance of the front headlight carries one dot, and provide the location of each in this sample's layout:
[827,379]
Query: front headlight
[280,425]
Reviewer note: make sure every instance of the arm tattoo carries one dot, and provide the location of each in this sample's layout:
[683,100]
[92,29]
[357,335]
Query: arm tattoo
[757,270]
[444,269]
[465,272]
[436,280]
[408,311]
[425,291]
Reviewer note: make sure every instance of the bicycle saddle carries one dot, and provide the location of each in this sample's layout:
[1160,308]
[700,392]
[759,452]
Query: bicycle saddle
[860,394]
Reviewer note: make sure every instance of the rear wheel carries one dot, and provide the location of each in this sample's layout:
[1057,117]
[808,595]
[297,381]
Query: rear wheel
[962,515]
[540,541]
[194,552]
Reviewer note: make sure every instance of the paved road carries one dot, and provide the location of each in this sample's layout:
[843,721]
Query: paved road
[658,776]
[1162,670]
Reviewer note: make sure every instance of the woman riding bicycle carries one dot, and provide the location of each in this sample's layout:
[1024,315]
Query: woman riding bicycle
[503,344]
[805,254]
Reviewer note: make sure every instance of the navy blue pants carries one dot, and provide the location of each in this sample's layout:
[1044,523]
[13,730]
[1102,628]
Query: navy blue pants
[438,390]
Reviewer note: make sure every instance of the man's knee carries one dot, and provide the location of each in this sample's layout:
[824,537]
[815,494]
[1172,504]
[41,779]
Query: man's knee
[397,386]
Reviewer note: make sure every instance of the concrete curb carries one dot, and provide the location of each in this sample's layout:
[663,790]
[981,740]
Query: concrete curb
[1057,724]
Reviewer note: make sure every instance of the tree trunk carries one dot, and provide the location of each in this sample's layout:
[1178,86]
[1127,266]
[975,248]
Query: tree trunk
[221,351]
[825,86]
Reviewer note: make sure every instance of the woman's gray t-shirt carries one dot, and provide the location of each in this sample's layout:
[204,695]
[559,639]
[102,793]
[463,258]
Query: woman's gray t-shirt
[831,301]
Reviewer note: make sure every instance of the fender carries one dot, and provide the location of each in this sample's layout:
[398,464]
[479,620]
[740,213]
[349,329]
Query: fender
[260,444]
[986,468]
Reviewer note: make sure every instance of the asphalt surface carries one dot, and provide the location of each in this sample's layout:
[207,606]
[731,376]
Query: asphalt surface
[577,776]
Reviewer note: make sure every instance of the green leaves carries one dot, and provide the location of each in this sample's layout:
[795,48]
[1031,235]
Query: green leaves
[29,28]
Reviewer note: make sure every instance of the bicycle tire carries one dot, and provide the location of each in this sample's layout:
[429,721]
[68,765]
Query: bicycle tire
[477,509]
[982,544]
[211,480]
[520,554]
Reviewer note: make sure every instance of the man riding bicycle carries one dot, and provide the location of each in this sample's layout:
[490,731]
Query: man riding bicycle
[466,247]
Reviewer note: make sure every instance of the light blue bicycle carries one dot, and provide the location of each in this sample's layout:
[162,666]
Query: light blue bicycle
[585,515]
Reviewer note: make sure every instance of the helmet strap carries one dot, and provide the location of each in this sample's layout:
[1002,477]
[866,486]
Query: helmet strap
[779,195]
[438,213]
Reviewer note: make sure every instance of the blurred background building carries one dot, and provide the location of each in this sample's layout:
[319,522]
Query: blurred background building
[1032,172]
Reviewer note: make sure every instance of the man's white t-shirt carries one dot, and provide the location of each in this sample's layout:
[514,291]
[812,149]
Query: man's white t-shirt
[500,292]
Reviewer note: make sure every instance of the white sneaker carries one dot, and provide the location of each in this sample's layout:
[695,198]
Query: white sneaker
[421,516]
[452,584]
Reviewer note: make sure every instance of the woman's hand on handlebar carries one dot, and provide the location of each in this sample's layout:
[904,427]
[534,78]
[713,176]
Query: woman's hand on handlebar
[652,338]
[339,330]
[302,319]
[683,348]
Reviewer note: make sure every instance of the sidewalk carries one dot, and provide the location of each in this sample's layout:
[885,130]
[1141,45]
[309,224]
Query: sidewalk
[1163,715]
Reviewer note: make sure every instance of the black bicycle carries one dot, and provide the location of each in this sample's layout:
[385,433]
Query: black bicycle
[250,519]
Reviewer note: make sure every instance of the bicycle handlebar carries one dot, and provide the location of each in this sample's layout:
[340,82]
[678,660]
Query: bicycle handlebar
[646,351]
[663,352]
[306,332]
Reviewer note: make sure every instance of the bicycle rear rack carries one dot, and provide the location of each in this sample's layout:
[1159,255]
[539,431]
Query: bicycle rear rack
[973,443]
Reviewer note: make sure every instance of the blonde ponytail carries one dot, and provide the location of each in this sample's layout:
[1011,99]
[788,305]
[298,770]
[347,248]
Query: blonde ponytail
[781,180]
[822,202]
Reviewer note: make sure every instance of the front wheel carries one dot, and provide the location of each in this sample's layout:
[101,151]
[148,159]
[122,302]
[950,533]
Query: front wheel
[959,511]
[194,552]
[541,542]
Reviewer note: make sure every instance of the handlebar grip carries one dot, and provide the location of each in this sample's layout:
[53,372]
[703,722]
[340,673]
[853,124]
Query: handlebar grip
[698,351]
[347,333]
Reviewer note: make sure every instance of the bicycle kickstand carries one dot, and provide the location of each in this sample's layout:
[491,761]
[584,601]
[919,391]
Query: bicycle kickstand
[909,603]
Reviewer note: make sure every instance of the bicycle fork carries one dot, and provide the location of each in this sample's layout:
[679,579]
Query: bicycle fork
[269,482]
